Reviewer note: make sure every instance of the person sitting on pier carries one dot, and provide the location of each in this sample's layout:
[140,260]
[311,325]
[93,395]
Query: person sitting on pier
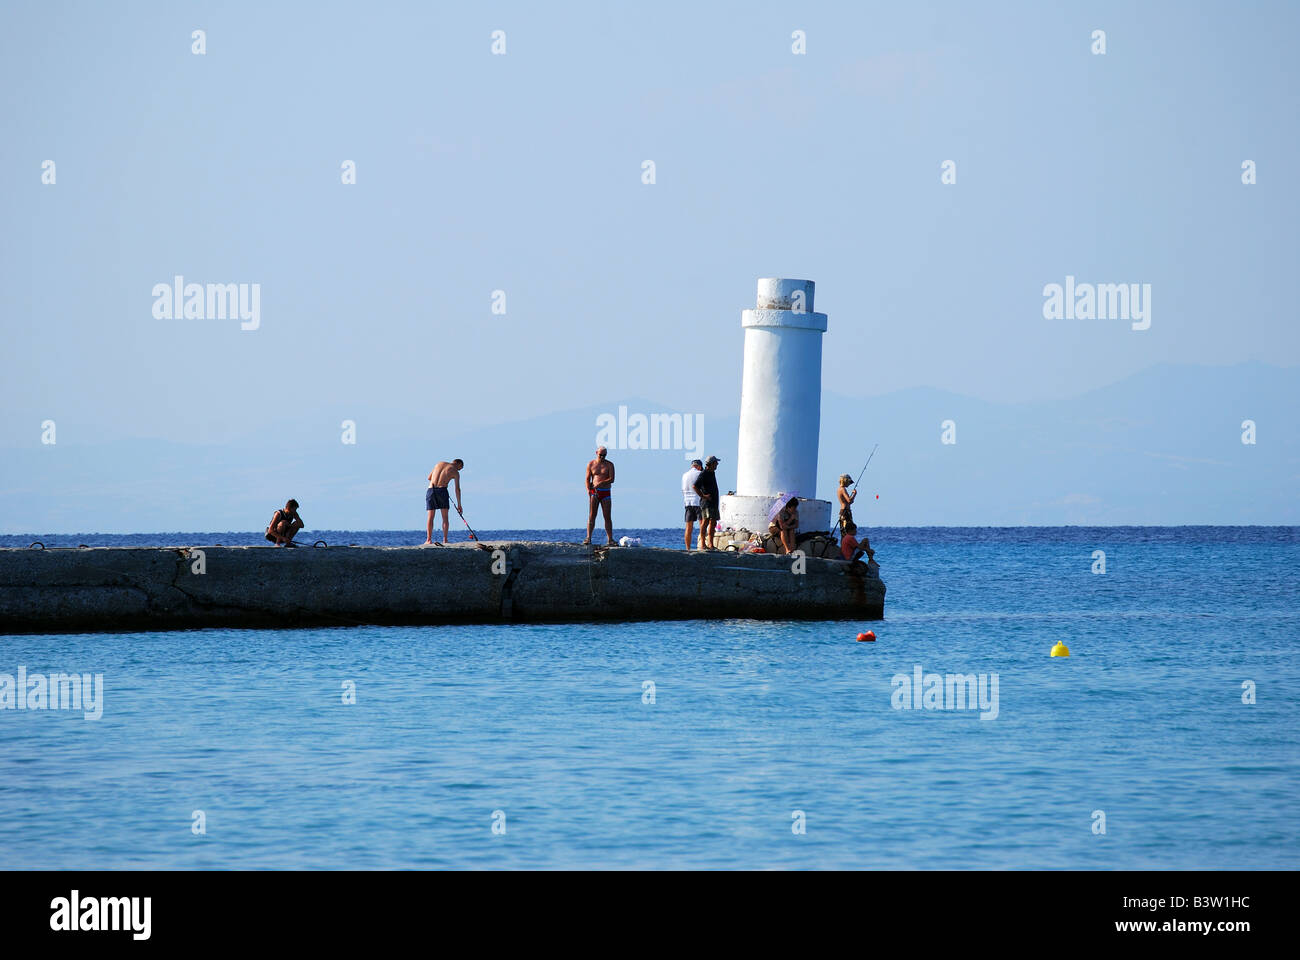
[437,498]
[786,526]
[599,479]
[851,549]
[846,501]
[284,525]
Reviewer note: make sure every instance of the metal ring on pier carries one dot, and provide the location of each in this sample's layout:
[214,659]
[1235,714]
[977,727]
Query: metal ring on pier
[320,543]
[35,543]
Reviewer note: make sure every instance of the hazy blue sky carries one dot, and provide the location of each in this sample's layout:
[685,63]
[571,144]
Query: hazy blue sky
[523,173]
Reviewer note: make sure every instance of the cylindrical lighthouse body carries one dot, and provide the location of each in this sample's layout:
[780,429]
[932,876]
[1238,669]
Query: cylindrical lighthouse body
[780,403]
[781,391]
[780,407]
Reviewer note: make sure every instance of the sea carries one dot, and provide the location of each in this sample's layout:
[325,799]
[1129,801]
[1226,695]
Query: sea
[1167,739]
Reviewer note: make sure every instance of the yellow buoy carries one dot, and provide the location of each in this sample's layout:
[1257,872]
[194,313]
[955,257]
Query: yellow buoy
[1060,650]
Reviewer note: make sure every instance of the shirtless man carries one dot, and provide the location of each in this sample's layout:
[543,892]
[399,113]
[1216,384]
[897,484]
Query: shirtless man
[599,479]
[436,497]
[284,525]
[846,501]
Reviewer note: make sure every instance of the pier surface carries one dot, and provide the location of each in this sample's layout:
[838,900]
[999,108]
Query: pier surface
[172,588]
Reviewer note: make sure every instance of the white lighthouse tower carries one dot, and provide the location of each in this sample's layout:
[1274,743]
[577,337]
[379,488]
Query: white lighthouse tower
[780,408]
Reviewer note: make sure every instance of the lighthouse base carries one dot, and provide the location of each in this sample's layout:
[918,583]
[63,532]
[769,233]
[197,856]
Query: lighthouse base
[750,513]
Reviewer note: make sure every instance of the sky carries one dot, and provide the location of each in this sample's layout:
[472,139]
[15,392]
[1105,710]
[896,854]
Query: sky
[524,172]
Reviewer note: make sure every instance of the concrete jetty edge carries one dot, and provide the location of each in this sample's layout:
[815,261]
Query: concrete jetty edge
[171,588]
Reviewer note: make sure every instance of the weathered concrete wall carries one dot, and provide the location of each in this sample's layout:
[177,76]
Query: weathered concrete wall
[154,588]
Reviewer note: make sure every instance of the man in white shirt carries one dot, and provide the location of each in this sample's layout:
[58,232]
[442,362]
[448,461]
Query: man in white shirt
[692,499]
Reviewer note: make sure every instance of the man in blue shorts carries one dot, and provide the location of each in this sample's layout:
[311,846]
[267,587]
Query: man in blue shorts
[437,497]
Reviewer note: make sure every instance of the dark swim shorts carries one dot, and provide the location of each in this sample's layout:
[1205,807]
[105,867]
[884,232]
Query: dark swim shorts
[436,498]
[692,513]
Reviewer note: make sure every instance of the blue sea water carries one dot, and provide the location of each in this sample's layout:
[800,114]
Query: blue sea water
[754,726]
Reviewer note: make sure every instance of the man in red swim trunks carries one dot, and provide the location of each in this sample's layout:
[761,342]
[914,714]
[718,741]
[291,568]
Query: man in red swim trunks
[599,479]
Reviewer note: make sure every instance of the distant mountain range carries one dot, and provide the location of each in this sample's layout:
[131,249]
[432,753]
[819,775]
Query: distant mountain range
[1161,447]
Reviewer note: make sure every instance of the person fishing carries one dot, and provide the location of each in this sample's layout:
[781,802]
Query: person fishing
[846,499]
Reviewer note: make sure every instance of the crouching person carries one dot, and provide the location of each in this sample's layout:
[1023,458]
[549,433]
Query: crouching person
[284,525]
[785,528]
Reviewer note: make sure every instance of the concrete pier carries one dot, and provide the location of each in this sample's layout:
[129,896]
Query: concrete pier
[172,588]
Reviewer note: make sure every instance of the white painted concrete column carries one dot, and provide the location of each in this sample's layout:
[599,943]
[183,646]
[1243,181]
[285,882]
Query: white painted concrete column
[780,407]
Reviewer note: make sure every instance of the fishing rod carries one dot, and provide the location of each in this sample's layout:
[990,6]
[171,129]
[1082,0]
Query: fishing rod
[472,534]
[867,464]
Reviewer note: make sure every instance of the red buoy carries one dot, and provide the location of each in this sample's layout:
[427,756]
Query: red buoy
[867,637]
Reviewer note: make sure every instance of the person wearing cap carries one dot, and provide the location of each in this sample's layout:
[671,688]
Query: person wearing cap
[706,485]
[846,500]
[692,499]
